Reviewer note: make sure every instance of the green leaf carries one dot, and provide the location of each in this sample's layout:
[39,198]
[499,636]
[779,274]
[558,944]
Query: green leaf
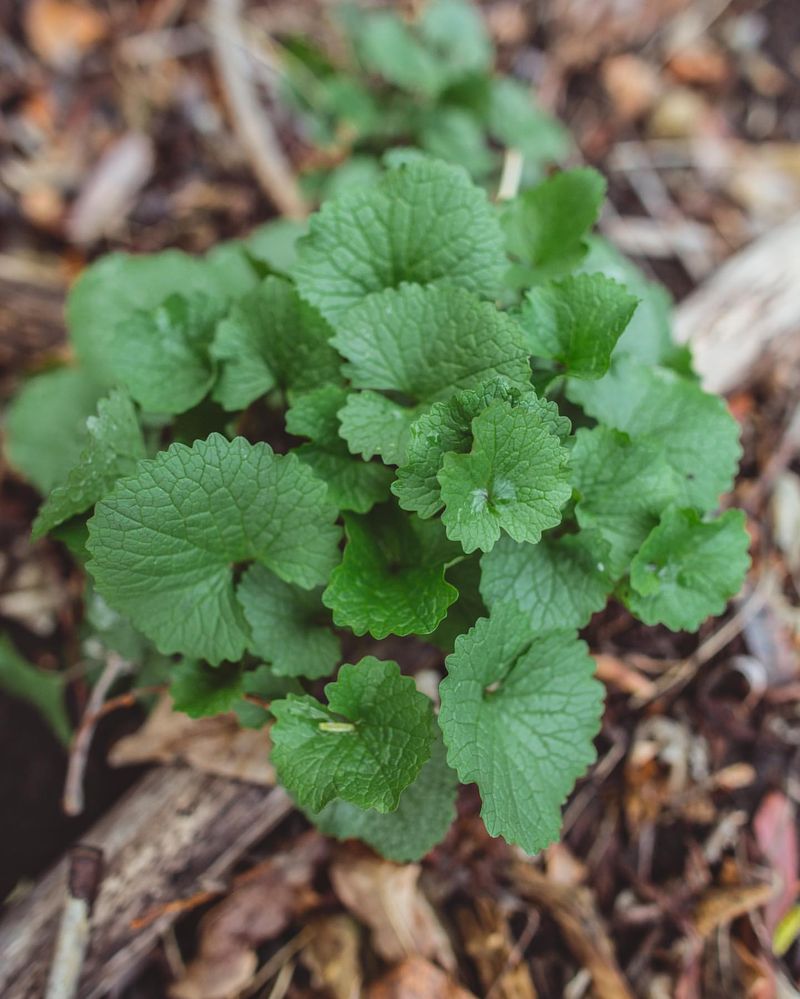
[289,626]
[388,47]
[391,578]
[558,583]
[374,425]
[199,690]
[263,682]
[45,428]
[366,746]
[271,337]
[648,336]
[161,355]
[274,244]
[114,446]
[688,569]
[427,342]
[622,486]
[420,821]
[545,226]
[119,285]
[515,121]
[577,322]
[518,716]
[514,478]
[447,427]
[42,689]
[693,430]
[352,484]
[456,136]
[165,540]
[424,222]
[455,31]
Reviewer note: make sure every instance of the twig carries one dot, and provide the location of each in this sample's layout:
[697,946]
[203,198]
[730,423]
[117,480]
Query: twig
[83,883]
[97,708]
[177,906]
[511,175]
[683,671]
[250,120]
[516,954]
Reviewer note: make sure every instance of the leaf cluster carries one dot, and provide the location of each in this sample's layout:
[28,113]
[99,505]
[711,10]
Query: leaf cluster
[428,418]
[397,87]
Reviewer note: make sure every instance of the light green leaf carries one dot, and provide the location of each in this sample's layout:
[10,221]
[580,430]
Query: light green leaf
[648,336]
[420,821]
[515,121]
[519,714]
[119,285]
[271,337]
[165,540]
[455,32]
[161,356]
[42,689]
[456,136]
[577,322]
[692,429]
[352,484]
[114,446]
[447,427]
[45,428]
[514,478]
[558,583]
[388,47]
[199,690]
[427,342]
[545,226]
[424,222]
[289,626]
[688,569]
[391,578]
[274,244]
[373,425]
[365,747]
[622,486]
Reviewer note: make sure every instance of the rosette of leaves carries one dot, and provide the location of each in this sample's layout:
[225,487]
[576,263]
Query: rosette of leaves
[400,85]
[344,443]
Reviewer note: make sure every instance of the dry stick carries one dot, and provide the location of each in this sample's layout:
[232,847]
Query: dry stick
[72,800]
[83,883]
[250,120]
[682,672]
[510,179]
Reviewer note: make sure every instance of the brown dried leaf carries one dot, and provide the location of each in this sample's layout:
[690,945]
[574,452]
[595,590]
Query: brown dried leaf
[722,905]
[387,898]
[488,941]
[632,84]
[416,978]
[616,672]
[575,912]
[108,192]
[775,829]
[260,907]
[60,31]
[332,958]
[216,745]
